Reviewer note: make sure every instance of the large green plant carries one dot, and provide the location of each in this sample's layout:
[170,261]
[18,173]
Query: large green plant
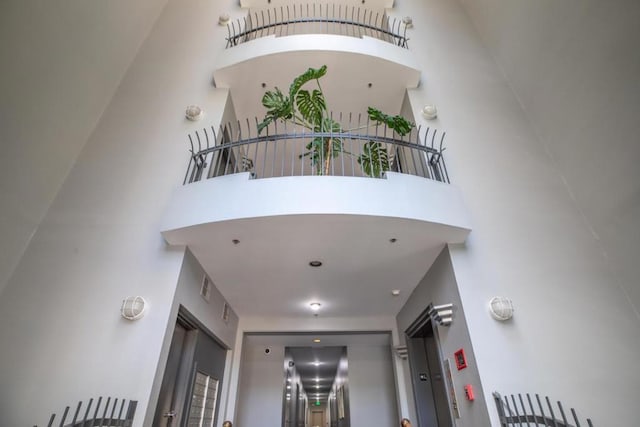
[309,110]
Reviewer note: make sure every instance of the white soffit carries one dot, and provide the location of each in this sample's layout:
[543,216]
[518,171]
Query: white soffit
[352,63]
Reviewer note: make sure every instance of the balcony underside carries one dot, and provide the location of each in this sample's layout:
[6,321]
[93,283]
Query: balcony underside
[347,223]
[353,64]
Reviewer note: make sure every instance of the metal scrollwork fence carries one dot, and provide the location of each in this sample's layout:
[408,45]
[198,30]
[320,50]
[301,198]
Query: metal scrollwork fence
[515,412]
[109,413]
[361,149]
[312,18]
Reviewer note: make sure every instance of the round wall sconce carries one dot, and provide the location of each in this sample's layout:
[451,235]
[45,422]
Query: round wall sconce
[408,21]
[194,113]
[224,19]
[133,308]
[501,308]
[430,112]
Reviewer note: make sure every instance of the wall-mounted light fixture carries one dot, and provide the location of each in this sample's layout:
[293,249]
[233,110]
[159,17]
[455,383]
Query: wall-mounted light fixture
[501,308]
[430,112]
[194,113]
[224,19]
[408,21]
[133,308]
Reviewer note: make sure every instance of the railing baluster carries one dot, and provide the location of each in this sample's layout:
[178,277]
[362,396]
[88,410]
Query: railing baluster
[575,417]
[113,410]
[95,413]
[564,418]
[515,408]
[553,416]
[104,413]
[120,412]
[544,416]
[75,415]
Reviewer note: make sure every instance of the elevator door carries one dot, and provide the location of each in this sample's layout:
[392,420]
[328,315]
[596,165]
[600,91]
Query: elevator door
[191,386]
[428,381]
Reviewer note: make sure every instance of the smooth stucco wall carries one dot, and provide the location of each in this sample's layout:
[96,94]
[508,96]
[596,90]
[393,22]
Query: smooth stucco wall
[574,67]
[63,339]
[62,62]
[439,287]
[529,240]
[208,313]
[372,391]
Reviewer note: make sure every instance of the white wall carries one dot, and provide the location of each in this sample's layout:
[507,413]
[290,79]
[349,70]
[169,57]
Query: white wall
[439,287]
[261,385]
[574,67]
[62,62]
[63,339]
[372,391]
[529,240]
[208,313]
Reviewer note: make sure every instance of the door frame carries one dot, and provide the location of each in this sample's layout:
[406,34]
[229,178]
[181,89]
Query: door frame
[411,332]
[185,376]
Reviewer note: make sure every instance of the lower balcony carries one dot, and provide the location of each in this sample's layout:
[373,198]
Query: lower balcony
[373,207]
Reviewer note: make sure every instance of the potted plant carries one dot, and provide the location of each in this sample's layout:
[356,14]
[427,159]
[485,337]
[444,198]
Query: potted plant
[309,109]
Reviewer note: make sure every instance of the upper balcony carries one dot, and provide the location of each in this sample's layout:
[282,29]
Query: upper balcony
[363,46]
[317,18]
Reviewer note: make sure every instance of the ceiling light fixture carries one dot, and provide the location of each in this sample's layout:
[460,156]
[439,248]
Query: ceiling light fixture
[316,363]
[395,292]
[315,263]
[316,340]
[315,306]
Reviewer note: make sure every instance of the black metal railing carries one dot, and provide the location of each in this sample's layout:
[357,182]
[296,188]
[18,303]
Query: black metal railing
[360,148]
[112,414]
[317,19]
[517,412]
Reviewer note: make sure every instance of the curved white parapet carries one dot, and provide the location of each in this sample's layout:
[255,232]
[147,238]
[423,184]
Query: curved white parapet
[358,70]
[428,206]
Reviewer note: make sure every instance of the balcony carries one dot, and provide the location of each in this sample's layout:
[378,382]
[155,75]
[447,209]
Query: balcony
[355,148]
[317,18]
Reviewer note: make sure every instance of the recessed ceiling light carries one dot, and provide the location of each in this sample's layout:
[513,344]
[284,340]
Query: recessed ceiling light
[315,306]
[235,241]
[316,340]
[316,363]
[393,240]
[315,263]
[317,379]
[395,292]
[288,387]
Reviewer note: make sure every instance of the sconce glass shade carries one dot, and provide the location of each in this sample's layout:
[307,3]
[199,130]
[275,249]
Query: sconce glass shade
[501,308]
[133,308]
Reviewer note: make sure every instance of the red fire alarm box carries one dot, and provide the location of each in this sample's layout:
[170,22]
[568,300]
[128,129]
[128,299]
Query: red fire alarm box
[468,391]
[461,359]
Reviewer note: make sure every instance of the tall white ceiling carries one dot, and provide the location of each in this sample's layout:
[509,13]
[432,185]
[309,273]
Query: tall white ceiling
[62,60]
[575,68]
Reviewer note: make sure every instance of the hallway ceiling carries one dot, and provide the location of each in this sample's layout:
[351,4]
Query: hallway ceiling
[268,273]
[317,367]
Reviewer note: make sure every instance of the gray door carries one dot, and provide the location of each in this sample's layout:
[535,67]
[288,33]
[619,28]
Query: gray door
[428,381]
[192,382]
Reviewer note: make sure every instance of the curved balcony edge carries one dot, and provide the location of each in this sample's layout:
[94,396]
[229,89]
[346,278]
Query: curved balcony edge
[265,47]
[438,206]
